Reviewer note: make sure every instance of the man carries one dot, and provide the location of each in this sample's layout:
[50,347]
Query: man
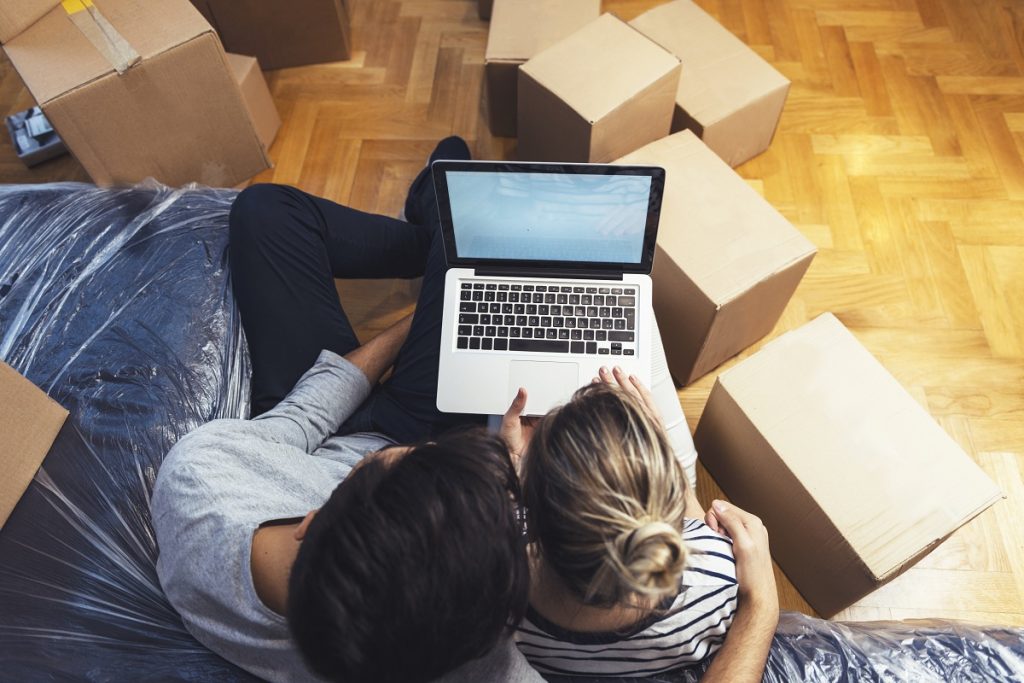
[307,529]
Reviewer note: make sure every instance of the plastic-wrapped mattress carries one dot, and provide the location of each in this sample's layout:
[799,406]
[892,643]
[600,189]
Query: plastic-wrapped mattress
[117,304]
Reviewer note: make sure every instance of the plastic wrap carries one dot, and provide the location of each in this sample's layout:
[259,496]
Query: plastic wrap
[117,304]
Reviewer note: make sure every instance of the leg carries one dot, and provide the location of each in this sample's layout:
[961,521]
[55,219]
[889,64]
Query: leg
[286,247]
[405,406]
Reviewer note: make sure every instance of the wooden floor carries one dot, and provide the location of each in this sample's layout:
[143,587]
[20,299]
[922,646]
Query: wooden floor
[900,154]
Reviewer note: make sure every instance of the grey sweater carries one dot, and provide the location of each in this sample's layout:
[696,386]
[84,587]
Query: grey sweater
[221,481]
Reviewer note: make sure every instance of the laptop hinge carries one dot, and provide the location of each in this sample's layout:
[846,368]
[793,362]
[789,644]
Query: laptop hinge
[548,272]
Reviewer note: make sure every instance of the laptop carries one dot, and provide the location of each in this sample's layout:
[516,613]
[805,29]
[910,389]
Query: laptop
[548,279]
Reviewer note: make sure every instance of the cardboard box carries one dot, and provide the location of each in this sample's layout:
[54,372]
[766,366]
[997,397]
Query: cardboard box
[729,96]
[256,94]
[726,263]
[483,9]
[135,89]
[519,30]
[596,95]
[29,422]
[282,33]
[853,478]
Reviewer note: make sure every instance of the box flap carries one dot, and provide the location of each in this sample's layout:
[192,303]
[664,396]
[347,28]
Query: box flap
[54,57]
[18,15]
[600,66]
[522,28]
[721,73]
[262,111]
[879,467]
[721,232]
[29,422]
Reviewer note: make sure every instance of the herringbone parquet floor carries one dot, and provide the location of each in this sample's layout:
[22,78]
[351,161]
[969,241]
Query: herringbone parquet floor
[900,154]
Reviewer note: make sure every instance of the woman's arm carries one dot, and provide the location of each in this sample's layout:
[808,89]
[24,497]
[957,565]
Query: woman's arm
[743,656]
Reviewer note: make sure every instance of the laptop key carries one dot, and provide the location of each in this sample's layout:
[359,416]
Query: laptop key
[478,285]
[628,352]
[538,345]
[574,299]
[519,309]
[591,290]
[620,323]
[603,351]
[603,290]
[577,290]
[592,311]
[576,347]
[607,324]
[505,287]
[591,347]
[513,331]
[620,336]
[581,322]
[541,288]
[558,322]
[478,330]
[486,343]
[527,333]
[534,320]
[468,319]
[627,301]
[520,320]
[508,320]
[544,310]
[474,343]
[527,288]
[550,298]
[588,335]
[465,330]
[551,334]
[506,308]
[595,323]
[576,334]
[544,322]
[611,301]
[538,333]
[466,285]
[616,312]
[489,296]
[617,290]
[602,335]
[563,333]
[485,320]
[514,297]
[465,295]
[570,323]
[562,298]
[503,296]
[554,310]
[605,312]
[566,289]
[501,344]
[491,331]
[586,299]
[615,352]
[467,307]
[502,331]
[478,296]
[462,342]
[516,288]
[496,308]
[531,309]
[491,285]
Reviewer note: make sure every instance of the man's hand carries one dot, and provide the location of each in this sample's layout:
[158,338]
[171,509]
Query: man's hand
[517,430]
[753,558]
[745,652]
[632,385]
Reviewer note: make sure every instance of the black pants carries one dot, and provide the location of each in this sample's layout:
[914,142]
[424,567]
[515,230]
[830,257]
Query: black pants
[286,247]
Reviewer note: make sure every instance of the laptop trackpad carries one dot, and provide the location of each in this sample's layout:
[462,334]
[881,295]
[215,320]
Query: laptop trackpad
[547,383]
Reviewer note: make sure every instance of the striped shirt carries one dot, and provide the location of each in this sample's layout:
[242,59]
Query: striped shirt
[685,630]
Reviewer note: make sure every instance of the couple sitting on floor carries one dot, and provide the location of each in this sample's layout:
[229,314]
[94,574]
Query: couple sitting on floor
[312,542]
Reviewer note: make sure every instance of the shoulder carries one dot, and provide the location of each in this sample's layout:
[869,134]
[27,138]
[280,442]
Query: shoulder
[710,559]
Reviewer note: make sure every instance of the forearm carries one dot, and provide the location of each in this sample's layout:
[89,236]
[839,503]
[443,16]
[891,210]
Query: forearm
[743,656]
[377,355]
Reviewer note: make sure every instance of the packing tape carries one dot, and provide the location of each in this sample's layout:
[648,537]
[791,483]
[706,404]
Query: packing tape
[104,37]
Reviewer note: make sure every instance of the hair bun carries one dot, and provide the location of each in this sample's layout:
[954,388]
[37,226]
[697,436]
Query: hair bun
[652,557]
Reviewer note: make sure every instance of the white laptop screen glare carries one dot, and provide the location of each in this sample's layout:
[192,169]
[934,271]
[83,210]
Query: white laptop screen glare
[549,217]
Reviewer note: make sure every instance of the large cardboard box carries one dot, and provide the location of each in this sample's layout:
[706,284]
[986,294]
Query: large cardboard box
[729,96]
[29,422]
[726,263]
[256,94]
[853,478]
[519,30]
[135,89]
[596,95]
[282,33]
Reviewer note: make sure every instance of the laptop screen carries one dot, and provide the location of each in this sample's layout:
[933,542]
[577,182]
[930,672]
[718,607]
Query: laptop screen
[557,215]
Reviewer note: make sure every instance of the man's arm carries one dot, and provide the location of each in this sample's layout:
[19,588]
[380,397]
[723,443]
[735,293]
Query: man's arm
[329,392]
[743,655]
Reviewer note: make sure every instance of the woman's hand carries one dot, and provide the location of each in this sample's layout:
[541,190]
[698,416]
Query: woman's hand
[517,430]
[632,385]
[753,557]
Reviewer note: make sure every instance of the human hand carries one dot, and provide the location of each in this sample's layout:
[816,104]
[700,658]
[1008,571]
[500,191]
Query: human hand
[632,385]
[753,557]
[517,430]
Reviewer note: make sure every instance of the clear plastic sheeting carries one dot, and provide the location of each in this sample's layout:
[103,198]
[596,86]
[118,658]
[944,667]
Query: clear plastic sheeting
[932,651]
[117,304]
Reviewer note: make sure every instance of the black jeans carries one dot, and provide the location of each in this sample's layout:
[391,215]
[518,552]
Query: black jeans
[286,246]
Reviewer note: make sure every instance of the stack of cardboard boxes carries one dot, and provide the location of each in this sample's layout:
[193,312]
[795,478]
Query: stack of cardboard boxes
[854,479]
[141,89]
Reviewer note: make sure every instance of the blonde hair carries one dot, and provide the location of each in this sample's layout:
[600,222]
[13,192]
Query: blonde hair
[605,497]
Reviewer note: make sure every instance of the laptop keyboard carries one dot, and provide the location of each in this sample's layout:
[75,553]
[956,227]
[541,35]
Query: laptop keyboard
[547,318]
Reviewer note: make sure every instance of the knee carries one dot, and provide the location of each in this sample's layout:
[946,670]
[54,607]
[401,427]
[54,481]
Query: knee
[256,213]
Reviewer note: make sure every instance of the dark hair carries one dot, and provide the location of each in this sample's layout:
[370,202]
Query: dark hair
[414,568]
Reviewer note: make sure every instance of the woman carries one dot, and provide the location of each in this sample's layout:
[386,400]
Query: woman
[627,578]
